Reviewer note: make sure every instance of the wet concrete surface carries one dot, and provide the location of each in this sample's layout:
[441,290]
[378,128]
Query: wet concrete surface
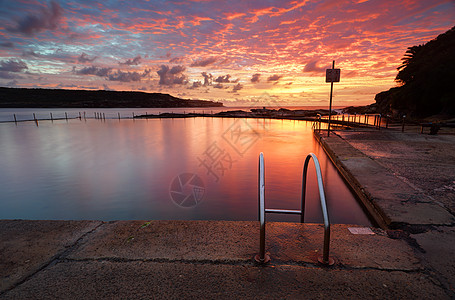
[153,280]
[237,242]
[409,180]
[28,246]
[214,259]
[425,162]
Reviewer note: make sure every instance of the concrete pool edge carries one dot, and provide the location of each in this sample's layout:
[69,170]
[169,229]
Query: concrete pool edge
[373,210]
[391,171]
[390,201]
[95,258]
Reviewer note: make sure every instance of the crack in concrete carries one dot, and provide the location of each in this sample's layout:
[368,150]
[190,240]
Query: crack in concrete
[52,261]
[238,262]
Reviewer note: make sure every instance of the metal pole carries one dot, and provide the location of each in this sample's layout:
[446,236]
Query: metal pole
[261,257]
[66,116]
[302,199]
[262,207]
[320,122]
[330,105]
[325,256]
[15,120]
[52,118]
[402,127]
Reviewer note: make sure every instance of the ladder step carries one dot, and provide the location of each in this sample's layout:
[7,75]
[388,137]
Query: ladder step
[284,211]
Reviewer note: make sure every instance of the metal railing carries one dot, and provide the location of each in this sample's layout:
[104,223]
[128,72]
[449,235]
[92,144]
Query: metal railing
[360,120]
[262,257]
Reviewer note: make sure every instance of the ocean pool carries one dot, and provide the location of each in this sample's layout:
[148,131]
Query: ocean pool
[155,169]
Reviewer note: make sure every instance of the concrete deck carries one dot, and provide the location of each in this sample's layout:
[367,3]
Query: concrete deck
[406,179]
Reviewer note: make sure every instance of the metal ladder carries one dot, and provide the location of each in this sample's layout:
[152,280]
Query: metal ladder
[262,257]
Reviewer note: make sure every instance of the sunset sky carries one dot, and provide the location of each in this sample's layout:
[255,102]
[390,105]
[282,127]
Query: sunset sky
[229,51]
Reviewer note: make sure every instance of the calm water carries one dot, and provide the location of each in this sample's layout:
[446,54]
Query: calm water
[138,169]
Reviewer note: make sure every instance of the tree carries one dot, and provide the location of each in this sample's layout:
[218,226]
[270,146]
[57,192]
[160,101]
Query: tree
[425,80]
[409,66]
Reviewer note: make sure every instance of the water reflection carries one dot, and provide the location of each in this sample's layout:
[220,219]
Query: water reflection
[114,170]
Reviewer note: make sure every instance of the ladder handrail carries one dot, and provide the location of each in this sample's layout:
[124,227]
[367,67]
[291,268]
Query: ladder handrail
[261,196]
[325,215]
[262,257]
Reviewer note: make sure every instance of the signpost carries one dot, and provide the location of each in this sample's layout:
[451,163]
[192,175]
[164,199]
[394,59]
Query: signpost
[331,75]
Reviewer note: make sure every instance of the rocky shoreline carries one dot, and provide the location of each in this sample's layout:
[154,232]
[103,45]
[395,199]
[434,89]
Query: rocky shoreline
[252,113]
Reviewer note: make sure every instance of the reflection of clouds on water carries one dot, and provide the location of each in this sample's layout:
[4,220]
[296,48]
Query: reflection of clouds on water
[123,170]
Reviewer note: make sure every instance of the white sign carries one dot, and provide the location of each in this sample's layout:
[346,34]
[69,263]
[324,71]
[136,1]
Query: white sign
[332,75]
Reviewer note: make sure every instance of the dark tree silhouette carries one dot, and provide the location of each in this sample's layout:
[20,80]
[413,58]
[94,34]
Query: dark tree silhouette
[425,80]
[408,67]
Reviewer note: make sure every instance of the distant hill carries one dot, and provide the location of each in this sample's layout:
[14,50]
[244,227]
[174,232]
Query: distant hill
[48,98]
[426,81]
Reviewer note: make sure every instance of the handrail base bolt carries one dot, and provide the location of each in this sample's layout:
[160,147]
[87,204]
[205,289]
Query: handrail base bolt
[266,259]
[331,261]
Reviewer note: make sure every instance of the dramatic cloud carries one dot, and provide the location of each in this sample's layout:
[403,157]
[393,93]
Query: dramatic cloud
[102,72]
[274,78]
[12,83]
[46,18]
[12,66]
[7,45]
[252,41]
[313,67]
[66,86]
[132,62]
[84,58]
[196,84]
[9,75]
[255,78]
[207,78]
[127,76]
[176,60]
[204,62]
[223,79]
[30,53]
[237,87]
[170,76]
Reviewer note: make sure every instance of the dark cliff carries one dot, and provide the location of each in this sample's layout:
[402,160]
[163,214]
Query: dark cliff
[48,98]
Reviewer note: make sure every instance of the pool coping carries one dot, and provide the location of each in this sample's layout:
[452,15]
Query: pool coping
[391,202]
